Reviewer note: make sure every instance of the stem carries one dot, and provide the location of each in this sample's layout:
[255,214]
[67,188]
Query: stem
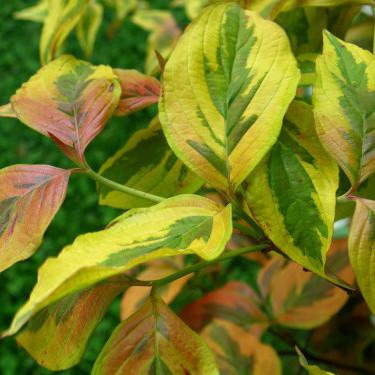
[200,265]
[124,189]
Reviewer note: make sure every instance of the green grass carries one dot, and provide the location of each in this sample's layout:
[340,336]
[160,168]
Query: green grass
[19,59]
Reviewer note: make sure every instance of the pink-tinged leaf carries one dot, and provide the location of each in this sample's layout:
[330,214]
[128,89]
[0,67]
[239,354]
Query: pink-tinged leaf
[56,337]
[139,91]
[235,302]
[6,110]
[135,296]
[30,196]
[70,101]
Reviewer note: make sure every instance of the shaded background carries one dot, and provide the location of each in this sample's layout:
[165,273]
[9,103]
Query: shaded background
[19,59]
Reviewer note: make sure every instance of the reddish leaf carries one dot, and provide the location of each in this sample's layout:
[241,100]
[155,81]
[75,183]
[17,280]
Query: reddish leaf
[139,91]
[70,101]
[30,196]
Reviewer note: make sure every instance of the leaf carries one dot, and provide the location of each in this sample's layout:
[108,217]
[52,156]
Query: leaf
[238,352]
[70,101]
[7,111]
[155,341]
[63,16]
[156,171]
[192,7]
[139,91]
[36,13]
[311,369]
[344,102]
[300,299]
[164,33]
[362,248]
[185,224]
[56,336]
[135,296]
[291,194]
[88,26]
[30,196]
[235,302]
[226,88]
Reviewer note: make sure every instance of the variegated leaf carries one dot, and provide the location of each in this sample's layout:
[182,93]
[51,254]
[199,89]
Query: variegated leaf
[148,164]
[344,106]
[63,16]
[238,352]
[184,224]
[226,88]
[70,101]
[155,341]
[56,336]
[139,91]
[362,248]
[291,194]
[135,296]
[164,33]
[88,26]
[30,196]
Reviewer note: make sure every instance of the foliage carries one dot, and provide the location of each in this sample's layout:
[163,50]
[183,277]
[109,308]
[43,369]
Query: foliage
[265,127]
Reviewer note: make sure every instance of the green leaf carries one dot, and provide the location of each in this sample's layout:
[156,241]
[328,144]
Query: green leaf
[344,102]
[36,13]
[311,369]
[146,163]
[362,248]
[291,194]
[185,224]
[57,335]
[63,16]
[30,196]
[155,341]
[226,88]
[78,96]
[88,27]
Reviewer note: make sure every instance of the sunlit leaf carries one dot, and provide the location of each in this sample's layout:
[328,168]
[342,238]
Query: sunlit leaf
[311,369]
[36,13]
[184,224]
[63,16]
[344,102]
[148,164]
[30,196]
[155,341]
[226,88]
[88,27]
[56,336]
[164,34]
[139,91]
[135,296]
[362,248]
[70,101]
[292,193]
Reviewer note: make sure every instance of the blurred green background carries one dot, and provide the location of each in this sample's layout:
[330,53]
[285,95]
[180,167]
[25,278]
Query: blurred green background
[19,59]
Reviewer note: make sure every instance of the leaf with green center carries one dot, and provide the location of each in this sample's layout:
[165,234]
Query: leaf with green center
[226,88]
[88,27]
[238,352]
[292,193]
[344,106]
[56,336]
[139,91]
[70,101]
[63,16]
[30,196]
[148,164]
[362,248]
[185,224]
[155,341]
